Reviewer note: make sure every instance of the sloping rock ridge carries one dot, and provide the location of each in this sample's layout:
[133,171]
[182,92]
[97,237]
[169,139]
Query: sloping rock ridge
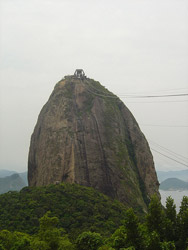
[86,135]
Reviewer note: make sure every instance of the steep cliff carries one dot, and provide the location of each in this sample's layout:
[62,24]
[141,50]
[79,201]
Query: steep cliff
[86,135]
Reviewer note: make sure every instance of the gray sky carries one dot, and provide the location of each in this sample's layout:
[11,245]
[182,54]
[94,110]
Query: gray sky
[131,47]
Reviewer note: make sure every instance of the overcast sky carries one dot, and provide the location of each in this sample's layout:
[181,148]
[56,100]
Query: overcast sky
[130,46]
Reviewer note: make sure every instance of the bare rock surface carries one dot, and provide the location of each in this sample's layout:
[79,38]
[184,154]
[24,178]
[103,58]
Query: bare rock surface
[86,135]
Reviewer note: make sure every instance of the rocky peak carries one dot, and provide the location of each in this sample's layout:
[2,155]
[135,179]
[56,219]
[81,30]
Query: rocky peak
[86,135]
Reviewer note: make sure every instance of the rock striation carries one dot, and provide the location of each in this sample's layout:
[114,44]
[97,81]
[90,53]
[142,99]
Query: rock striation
[86,135]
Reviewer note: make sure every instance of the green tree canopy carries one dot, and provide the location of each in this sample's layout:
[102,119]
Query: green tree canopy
[89,240]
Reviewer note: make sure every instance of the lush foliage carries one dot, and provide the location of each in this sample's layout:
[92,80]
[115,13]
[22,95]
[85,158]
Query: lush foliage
[162,229]
[49,237]
[78,208]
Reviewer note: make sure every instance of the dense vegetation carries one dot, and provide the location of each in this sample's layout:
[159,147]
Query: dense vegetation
[80,218]
[78,208]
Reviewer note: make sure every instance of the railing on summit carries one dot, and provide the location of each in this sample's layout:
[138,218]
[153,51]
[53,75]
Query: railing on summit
[79,73]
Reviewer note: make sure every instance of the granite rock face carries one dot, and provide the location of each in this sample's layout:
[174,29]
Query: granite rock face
[86,135]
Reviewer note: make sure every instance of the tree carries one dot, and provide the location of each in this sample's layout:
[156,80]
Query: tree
[7,239]
[182,225]
[133,231]
[184,205]
[170,210]
[154,241]
[2,247]
[168,245]
[48,232]
[155,219]
[37,244]
[65,244]
[47,222]
[170,220]
[106,247]
[89,240]
[22,243]
[118,240]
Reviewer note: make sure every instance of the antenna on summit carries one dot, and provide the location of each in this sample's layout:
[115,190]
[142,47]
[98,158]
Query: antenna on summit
[79,73]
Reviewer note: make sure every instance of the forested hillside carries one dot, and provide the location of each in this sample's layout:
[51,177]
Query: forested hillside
[73,217]
[79,208]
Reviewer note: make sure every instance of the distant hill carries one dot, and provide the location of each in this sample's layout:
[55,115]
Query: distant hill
[11,183]
[4,173]
[24,177]
[174,184]
[14,182]
[182,175]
